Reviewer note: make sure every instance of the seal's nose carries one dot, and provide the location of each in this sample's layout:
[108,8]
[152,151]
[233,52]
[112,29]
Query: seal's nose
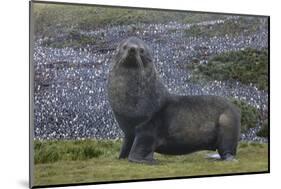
[132,50]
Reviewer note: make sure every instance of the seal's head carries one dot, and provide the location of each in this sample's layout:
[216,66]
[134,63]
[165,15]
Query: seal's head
[134,53]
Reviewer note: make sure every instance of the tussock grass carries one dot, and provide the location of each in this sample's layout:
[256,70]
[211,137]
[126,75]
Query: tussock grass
[249,115]
[245,26]
[264,129]
[94,161]
[249,66]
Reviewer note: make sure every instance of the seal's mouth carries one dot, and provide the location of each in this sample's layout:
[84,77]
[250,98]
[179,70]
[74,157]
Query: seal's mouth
[132,59]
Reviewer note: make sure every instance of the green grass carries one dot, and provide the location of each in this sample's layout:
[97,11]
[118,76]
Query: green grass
[247,66]
[246,26]
[69,17]
[93,161]
[52,151]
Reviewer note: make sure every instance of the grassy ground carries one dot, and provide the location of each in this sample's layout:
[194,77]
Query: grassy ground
[93,161]
[50,16]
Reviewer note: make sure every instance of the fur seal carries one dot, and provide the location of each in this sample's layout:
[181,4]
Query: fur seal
[134,89]
[155,121]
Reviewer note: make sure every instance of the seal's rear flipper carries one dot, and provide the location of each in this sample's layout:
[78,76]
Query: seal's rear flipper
[218,157]
[126,146]
[213,156]
[228,157]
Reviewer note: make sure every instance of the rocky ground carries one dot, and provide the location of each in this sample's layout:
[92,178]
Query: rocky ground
[70,98]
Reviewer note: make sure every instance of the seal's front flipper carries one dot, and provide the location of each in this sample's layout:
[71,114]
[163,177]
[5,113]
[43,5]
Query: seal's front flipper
[126,147]
[143,148]
[149,161]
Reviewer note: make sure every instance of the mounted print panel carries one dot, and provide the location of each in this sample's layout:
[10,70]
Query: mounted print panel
[121,94]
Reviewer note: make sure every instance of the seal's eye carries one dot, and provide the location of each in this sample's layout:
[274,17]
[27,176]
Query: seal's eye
[125,47]
[141,50]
